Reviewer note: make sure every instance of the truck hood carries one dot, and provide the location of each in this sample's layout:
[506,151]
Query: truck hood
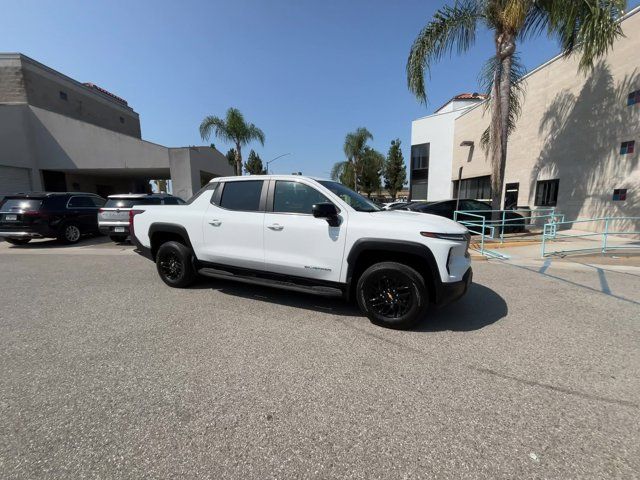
[424,221]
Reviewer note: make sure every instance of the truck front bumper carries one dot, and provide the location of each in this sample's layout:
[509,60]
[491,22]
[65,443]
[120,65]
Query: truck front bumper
[450,292]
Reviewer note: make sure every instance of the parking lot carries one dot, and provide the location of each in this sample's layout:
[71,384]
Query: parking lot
[108,373]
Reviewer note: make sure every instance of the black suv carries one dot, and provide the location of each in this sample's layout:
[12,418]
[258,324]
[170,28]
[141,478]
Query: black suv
[65,216]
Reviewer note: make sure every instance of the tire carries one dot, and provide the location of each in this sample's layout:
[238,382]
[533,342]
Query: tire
[174,262]
[392,295]
[17,241]
[118,238]
[69,233]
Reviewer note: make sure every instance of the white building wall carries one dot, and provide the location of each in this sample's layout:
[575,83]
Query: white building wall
[437,130]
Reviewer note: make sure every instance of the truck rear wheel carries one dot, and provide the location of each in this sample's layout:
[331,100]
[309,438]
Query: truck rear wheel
[392,295]
[175,264]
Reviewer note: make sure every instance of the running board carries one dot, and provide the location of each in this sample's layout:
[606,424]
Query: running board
[321,290]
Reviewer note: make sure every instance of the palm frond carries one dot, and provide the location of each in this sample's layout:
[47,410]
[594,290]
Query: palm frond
[232,128]
[254,133]
[355,142]
[214,125]
[587,27]
[338,170]
[452,28]
[516,94]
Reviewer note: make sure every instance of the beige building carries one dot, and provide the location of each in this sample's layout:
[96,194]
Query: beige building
[576,145]
[58,134]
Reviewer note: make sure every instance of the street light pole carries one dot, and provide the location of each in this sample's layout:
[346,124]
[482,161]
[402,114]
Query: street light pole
[274,159]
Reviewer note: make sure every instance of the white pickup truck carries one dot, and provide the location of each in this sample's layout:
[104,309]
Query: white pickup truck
[309,235]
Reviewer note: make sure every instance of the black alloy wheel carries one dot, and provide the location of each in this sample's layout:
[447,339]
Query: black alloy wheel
[389,295]
[175,264]
[170,265]
[392,294]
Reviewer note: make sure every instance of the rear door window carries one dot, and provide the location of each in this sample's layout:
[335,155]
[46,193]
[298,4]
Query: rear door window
[98,201]
[80,201]
[20,205]
[242,195]
[442,209]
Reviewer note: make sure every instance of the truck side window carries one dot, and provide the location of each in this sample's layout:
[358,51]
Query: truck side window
[242,195]
[295,197]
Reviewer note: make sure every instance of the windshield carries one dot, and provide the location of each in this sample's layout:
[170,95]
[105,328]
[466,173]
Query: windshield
[351,198]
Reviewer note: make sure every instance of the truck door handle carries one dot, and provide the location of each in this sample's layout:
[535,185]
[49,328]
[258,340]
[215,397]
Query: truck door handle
[275,227]
[215,223]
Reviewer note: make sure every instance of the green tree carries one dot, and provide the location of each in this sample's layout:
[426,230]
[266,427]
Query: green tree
[253,166]
[587,27]
[234,129]
[231,157]
[394,171]
[372,163]
[354,147]
[343,172]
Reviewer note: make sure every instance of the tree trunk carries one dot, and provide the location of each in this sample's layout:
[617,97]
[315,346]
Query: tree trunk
[355,175]
[238,160]
[500,93]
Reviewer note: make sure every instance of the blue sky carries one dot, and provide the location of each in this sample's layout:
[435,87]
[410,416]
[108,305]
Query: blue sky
[306,72]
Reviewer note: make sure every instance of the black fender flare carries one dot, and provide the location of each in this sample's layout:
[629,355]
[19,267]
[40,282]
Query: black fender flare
[363,245]
[161,227]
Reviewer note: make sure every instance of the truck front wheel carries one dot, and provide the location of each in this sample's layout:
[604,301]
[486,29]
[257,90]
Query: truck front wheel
[392,294]
[175,264]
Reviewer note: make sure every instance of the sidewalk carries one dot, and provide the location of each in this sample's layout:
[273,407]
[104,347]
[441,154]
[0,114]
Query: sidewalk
[584,250]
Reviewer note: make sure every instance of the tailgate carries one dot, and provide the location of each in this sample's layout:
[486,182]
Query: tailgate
[119,215]
[16,213]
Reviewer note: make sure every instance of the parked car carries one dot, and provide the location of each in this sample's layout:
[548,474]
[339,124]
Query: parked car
[514,222]
[65,216]
[113,217]
[315,236]
[393,205]
[404,205]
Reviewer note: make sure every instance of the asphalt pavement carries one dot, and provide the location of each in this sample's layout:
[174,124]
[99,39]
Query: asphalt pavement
[108,373]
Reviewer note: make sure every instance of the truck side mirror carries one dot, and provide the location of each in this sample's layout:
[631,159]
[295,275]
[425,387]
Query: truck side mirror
[327,211]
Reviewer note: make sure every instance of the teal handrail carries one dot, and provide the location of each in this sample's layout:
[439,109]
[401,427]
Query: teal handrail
[550,232]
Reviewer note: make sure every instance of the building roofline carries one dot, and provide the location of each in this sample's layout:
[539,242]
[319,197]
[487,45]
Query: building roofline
[93,91]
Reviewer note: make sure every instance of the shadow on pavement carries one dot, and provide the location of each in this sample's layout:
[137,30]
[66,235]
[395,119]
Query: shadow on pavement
[480,307]
[278,296]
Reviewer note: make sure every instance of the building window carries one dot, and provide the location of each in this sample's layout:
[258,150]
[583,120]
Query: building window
[619,194]
[476,188]
[121,119]
[547,193]
[627,147]
[63,96]
[633,98]
[420,156]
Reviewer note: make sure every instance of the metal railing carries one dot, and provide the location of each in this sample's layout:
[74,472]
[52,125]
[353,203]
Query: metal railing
[486,222]
[551,232]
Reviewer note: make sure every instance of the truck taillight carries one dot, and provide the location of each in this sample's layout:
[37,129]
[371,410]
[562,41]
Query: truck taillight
[132,213]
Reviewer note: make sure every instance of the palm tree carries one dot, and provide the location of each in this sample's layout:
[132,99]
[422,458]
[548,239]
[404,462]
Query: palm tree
[342,172]
[354,148]
[587,27]
[232,129]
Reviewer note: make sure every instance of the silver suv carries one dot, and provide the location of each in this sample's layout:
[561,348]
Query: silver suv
[113,217]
